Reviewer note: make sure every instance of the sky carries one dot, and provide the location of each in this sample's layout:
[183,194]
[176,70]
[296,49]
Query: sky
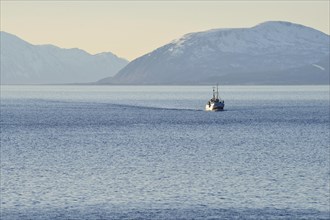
[130,29]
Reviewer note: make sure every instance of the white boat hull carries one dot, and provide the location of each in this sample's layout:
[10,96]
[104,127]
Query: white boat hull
[214,106]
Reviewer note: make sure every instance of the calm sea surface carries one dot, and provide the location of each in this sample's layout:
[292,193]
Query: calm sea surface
[152,152]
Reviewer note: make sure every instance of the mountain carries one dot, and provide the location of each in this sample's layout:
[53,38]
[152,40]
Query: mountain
[24,63]
[273,52]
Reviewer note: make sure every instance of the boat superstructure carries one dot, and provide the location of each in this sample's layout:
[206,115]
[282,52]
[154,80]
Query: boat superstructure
[215,103]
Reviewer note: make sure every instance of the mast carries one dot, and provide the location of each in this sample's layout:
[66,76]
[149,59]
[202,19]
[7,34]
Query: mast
[213,93]
[217,92]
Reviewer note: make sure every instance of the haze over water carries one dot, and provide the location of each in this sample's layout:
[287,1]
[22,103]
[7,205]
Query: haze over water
[152,152]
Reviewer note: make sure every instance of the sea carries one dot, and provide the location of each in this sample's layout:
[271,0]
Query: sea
[152,152]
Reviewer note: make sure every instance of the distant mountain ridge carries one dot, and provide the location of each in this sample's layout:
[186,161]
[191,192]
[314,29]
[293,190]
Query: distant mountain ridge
[273,52]
[24,63]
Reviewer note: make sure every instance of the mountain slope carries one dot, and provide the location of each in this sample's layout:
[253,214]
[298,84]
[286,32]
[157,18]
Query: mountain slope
[270,53]
[24,63]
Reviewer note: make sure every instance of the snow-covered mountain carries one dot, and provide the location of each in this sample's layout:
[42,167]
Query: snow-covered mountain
[24,63]
[273,52]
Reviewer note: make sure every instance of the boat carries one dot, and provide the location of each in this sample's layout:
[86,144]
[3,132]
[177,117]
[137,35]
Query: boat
[215,103]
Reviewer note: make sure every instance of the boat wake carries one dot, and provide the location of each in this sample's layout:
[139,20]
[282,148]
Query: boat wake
[124,106]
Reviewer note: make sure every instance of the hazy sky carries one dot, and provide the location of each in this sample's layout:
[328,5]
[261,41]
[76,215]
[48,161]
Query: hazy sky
[132,28]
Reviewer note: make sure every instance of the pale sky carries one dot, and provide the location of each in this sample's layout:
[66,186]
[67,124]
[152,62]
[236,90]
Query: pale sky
[130,29]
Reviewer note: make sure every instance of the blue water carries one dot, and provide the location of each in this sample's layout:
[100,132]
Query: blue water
[146,152]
